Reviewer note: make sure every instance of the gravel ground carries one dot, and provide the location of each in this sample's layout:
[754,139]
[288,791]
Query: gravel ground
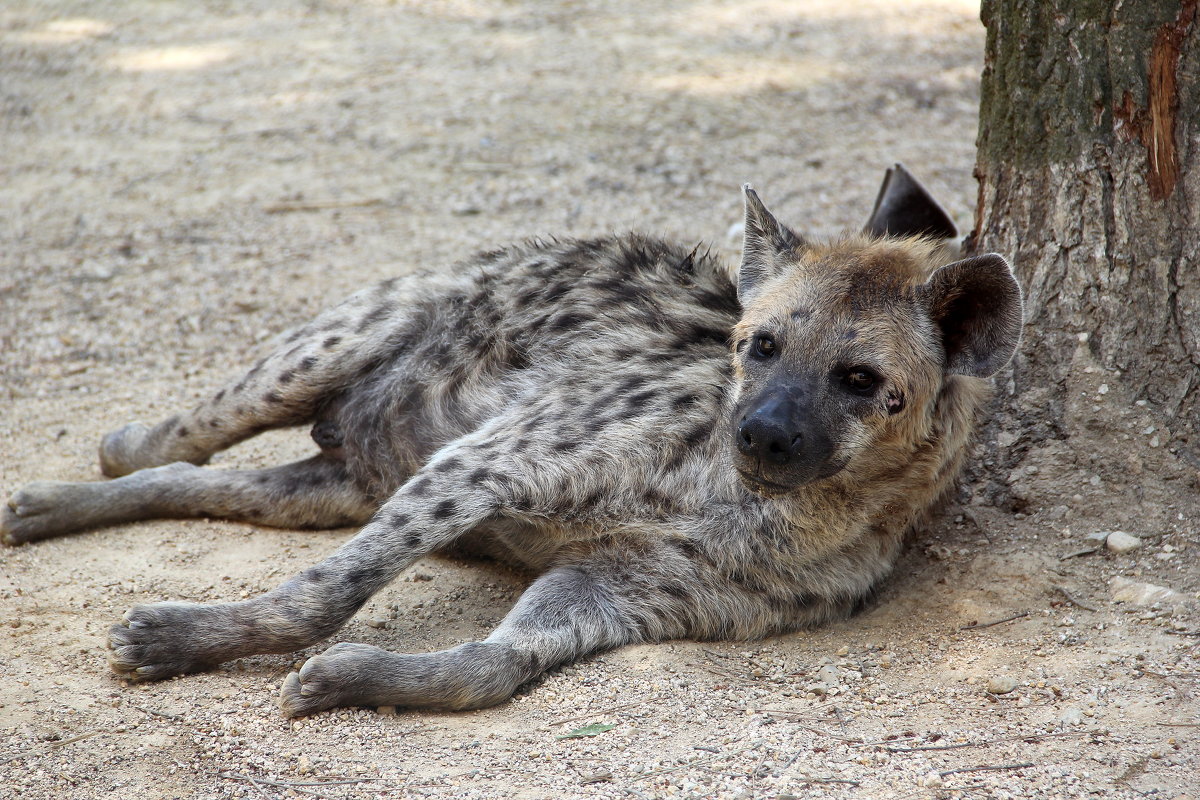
[182,181]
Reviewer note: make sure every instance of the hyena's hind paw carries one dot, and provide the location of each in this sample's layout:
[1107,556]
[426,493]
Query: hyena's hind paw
[121,451]
[43,509]
[137,446]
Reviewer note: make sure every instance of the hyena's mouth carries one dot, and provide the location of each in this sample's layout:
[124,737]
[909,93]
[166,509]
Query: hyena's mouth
[760,485]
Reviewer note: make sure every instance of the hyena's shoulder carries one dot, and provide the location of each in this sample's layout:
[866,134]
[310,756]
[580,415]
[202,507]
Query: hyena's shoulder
[629,291]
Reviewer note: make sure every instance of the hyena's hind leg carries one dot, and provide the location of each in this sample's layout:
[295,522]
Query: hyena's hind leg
[290,386]
[315,493]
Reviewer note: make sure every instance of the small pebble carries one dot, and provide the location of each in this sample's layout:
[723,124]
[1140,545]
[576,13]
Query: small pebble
[1001,684]
[829,674]
[377,622]
[1120,542]
[1071,716]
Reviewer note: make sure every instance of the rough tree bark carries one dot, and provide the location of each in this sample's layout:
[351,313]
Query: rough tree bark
[1089,179]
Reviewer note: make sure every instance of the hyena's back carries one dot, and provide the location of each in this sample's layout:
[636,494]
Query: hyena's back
[436,356]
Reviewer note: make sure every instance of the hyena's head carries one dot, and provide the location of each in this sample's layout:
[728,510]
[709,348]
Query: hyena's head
[844,348]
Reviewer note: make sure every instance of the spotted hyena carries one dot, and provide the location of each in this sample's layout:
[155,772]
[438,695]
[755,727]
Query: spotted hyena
[673,448]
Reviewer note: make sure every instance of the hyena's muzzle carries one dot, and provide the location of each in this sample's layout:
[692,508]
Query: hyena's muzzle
[782,437]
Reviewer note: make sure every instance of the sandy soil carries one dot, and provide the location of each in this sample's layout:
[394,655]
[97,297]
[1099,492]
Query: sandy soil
[181,181]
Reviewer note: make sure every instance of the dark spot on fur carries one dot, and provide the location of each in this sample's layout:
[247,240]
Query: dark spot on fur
[632,382]
[399,520]
[700,334]
[685,546]
[445,509]
[657,500]
[286,377]
[697,435]
[526,297]
[219,395]
[420,487]
[570,322]
[447,465]
[480,475]
[262,480]
[182,431]
[675,590]
[665,355]
[850,334]
[332,341]
[640,399]
[239,386]
[373,318]
[566,446]
[413,540]
[306,363]
[213,423]
[362,577]
[592,500]
[273,398]
[630,412]
[684,400]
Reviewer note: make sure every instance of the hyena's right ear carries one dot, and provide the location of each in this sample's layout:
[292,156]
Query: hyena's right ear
[765,247]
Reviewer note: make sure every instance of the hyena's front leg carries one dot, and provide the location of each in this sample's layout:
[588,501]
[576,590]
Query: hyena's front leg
[164,639]
[566,614]
[287,387]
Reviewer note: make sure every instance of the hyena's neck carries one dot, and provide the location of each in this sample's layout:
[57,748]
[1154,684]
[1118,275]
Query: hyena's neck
[892,491]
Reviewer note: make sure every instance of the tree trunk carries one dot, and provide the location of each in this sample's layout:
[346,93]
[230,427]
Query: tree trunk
[1089,180]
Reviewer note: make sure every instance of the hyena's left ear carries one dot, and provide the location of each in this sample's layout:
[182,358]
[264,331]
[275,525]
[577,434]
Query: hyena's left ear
[904,207]
[765,246]
[977,304]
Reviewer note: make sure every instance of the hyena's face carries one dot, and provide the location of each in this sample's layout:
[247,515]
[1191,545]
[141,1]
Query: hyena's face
[831,357]
[843,349]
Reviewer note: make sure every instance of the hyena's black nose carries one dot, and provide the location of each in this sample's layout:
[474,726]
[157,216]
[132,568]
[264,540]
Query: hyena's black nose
[761,437]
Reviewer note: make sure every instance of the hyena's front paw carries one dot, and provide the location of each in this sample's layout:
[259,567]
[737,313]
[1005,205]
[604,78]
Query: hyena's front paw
[165,639]
[123,451]
[41,510]
[344,675]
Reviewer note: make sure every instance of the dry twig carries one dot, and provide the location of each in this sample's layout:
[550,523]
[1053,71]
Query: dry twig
[985,768]
[1075,601]
[981,625]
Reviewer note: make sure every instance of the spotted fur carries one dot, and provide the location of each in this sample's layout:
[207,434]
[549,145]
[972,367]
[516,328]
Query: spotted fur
[571,405]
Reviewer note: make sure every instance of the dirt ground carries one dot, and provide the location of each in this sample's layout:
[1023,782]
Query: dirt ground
[181,181]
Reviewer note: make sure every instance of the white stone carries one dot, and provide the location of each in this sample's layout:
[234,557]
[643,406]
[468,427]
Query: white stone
[1142,594]
[1001,684]
[1121,542]
[1071,716]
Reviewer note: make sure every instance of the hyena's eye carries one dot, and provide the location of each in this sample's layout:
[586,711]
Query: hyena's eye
[861,380]
[763,346]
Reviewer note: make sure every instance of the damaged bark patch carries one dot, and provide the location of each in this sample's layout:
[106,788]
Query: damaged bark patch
[1154,125]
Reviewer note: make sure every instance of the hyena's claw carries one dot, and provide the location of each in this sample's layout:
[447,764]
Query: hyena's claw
[157,641]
